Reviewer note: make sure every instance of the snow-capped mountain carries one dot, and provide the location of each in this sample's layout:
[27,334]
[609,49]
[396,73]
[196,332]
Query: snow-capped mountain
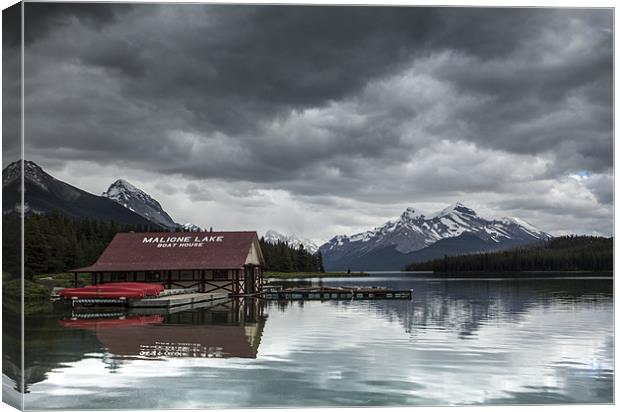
[140,202]
[32,174]
[292,240]
[414,231]
[190,227]
[45,194]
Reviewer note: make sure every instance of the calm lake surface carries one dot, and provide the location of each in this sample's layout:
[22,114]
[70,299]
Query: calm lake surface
[456,342]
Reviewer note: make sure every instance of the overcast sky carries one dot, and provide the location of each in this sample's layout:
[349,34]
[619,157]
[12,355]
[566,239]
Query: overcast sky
[327,120]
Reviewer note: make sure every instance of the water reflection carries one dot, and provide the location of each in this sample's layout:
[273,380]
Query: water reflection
[455,342]
[55,340]
[11,357]
[227,330]
[466,305]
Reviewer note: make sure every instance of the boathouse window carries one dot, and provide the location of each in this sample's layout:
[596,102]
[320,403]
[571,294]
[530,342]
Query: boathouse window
[119,276]
[220,275]
[186,275]
[152,276]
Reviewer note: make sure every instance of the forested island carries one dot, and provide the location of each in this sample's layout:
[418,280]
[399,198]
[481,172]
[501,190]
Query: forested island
[559,254]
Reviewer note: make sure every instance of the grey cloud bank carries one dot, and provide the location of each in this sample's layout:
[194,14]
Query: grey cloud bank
[326,120]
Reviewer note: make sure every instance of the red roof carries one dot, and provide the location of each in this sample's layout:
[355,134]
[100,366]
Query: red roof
[174,251]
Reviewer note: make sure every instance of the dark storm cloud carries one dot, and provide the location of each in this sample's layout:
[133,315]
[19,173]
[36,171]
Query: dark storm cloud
[43,17]
[11,27]
[557,80]
[231,68]
[11,85]
[371,103]
[236,64]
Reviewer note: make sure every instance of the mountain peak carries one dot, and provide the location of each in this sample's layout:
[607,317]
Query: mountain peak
[119,186]
[140,202]
[458,208]
[32,172]
[412,213]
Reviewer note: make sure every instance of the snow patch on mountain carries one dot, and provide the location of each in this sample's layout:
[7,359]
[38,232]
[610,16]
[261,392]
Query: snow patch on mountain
[273,237]
[190,227]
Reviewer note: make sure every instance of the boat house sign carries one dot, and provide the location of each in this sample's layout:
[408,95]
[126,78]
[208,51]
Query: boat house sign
[181,241]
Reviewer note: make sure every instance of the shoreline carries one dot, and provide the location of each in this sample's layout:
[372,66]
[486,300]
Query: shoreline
[520,274]
[447,275]
[308,275]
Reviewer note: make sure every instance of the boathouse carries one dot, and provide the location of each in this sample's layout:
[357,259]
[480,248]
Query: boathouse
[223,262]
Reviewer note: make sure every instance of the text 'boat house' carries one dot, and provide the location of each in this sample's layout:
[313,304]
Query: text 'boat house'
[209,261]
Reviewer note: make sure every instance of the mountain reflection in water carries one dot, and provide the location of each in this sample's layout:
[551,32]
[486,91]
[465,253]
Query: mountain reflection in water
[455,342]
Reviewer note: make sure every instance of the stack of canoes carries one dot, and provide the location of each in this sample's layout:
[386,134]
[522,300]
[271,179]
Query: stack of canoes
[114,290]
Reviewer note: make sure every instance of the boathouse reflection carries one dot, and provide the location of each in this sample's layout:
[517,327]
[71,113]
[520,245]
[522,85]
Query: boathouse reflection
[228,330]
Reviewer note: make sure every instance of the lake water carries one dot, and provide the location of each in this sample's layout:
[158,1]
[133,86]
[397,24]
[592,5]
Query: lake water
[457,342]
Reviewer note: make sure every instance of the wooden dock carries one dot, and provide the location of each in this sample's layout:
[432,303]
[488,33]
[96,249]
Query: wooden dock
[166,301]
[176,300]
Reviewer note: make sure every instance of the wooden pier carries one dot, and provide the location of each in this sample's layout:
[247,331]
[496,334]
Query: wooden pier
[336,294]
[182,299]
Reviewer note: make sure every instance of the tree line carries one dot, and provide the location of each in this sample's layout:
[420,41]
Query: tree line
[280,257]
[565,253]
[55,243]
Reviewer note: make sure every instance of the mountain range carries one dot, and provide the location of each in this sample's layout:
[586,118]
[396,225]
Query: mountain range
[412,237]
[45,194]
[415,237]
[122,202]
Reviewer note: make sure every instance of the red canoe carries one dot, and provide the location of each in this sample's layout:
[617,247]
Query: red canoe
[114,290]
[103,293]
[149,288]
